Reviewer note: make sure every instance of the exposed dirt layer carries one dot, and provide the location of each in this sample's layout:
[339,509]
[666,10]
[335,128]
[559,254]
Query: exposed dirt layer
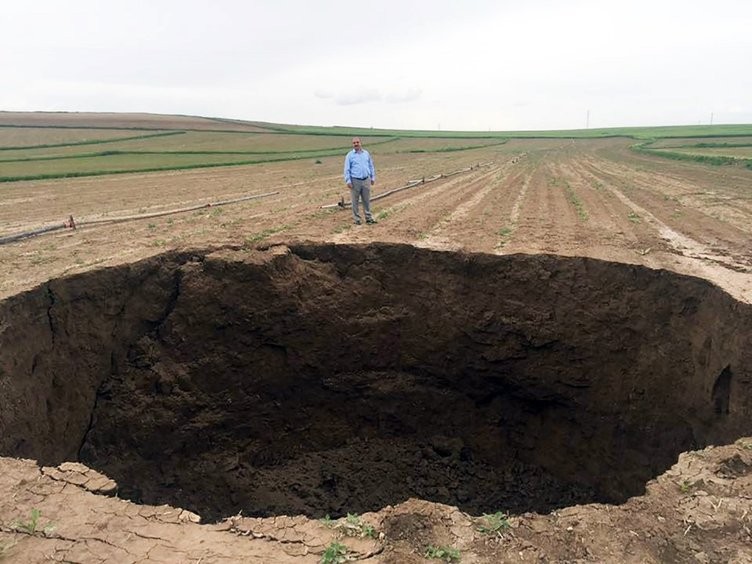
[264,383]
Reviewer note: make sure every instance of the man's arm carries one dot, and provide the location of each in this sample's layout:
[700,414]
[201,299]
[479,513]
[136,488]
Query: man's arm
[373,169]
[348,180]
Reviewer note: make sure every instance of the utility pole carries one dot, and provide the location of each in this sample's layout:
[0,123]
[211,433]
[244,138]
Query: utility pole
[587,120]
[711,118]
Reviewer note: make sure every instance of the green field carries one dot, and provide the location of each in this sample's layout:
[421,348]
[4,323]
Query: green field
[735,150]
[58,151]
[733,141]
[197,142]
[24,138]
[633,132]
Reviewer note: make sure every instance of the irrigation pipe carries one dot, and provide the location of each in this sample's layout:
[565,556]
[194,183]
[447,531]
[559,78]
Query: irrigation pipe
[72,224]
[410,184]
[179,210]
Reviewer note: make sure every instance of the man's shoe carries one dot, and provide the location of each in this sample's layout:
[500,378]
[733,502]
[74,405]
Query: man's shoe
[356,222]
[371,221]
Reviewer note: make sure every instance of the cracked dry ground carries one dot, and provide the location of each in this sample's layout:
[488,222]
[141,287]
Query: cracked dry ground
[577,199]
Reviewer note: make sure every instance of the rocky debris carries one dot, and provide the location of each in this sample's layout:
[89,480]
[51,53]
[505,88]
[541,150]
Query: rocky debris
[81,475]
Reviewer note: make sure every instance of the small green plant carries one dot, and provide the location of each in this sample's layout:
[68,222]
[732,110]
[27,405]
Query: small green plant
[32,525]
[318,161]
[574,199]
[354,526]
[504,235]
[495,523]
[152,226]
[634,218]
[327,521]
[445,553]
[352,519]
[383,214]
[685,486]
[342,228]
[258,237]
[335,553]
[369,531]
[39,259]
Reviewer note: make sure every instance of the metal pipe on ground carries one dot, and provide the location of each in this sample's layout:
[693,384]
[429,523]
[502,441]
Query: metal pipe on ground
[179,210]
[71,224]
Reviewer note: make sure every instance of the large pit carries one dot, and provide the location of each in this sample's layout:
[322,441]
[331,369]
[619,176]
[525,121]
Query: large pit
[323,379]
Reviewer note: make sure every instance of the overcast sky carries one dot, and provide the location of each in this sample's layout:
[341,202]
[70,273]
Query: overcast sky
[411,64]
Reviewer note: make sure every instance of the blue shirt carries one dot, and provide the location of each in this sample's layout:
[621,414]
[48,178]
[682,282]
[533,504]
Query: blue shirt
[359,165]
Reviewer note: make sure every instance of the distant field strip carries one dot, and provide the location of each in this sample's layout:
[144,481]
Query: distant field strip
[36,153]
[128,163]
[206,142]
[736,151]
[706,152]
[701,142]
[162,152]
[167,154]
[13,139]
[256,144]
[646,133]
[414,145]
[700,158]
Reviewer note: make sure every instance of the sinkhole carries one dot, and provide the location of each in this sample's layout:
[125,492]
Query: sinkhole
[325,379]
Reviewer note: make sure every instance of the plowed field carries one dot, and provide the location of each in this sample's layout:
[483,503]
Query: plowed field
[593,198]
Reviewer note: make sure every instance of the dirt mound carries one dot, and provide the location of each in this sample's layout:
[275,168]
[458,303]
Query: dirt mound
[337,380]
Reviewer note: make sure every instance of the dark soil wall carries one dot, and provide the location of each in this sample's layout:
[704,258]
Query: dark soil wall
[329,378]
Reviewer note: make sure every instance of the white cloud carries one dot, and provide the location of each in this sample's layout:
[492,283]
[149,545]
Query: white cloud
[477,64]
[359,96]
[402,96]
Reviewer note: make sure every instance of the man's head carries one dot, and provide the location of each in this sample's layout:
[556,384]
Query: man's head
[356,143]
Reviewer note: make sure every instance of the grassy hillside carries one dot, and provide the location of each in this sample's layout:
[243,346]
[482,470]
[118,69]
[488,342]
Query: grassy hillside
[634,132]
[40,145]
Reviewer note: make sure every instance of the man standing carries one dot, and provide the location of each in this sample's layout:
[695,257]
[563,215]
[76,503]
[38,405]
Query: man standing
[360,175]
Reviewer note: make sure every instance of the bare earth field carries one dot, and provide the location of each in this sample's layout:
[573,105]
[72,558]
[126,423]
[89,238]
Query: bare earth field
[573,198]
[576,198]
